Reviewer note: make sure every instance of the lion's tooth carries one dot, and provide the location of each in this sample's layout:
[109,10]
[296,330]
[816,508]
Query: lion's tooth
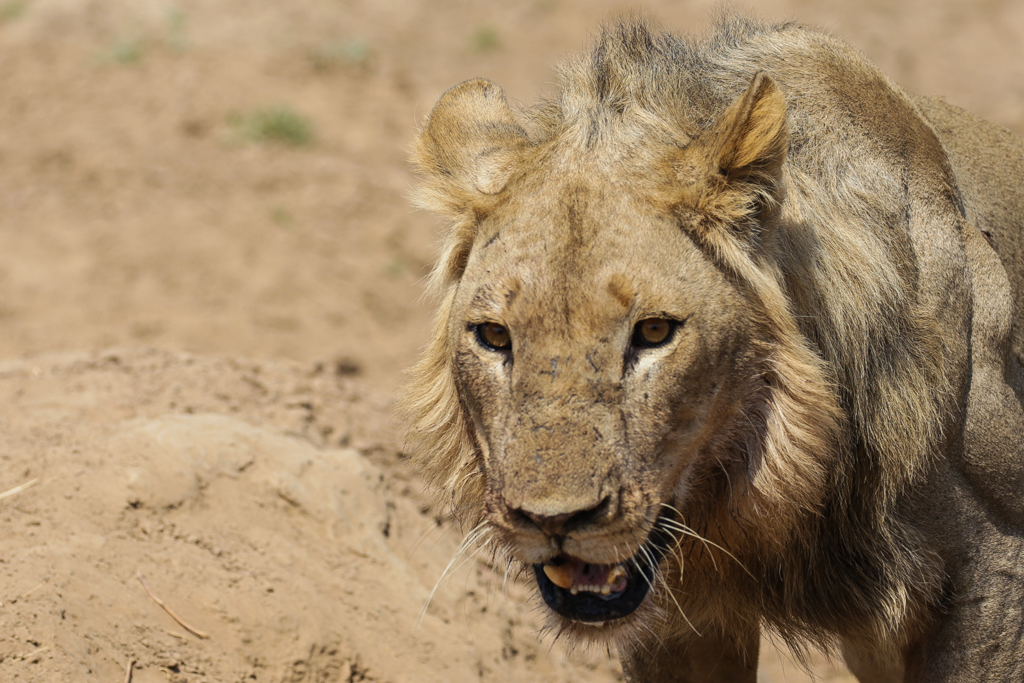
[615,574]
[561,576]
[606,589]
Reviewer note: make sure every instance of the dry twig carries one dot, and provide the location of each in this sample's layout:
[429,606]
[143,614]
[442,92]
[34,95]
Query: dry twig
[30,591]
[176,635]
[19,488]
[31,655]
[128,671]
[194,631]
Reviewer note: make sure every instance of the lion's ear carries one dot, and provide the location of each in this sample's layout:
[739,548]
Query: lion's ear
[734,167]
[468,149]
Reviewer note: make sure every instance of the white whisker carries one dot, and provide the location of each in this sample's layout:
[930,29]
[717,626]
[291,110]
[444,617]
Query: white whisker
[479,531]
[682,528]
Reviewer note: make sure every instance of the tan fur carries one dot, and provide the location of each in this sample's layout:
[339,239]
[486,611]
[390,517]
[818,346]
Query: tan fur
[837,417]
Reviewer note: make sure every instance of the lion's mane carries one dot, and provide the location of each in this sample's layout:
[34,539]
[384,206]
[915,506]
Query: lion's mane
[851,405]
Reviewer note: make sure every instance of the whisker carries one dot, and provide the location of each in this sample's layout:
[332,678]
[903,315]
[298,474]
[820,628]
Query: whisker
[479,531]
[682,612]
[682,528]
[667,523]
[677,552]
[504,581]
[650,559]
[657,639]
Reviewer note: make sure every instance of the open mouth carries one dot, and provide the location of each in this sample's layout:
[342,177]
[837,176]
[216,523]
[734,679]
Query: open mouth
[582,591]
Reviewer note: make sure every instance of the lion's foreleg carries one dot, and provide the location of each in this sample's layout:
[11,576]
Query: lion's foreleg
[980,634]
[708,658]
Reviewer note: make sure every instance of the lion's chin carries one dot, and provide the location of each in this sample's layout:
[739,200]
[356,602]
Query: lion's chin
[598,593]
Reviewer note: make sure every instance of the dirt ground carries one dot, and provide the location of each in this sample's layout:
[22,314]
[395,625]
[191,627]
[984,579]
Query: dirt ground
[210,283]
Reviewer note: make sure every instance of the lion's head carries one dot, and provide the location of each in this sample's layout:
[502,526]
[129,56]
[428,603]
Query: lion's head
[618,388]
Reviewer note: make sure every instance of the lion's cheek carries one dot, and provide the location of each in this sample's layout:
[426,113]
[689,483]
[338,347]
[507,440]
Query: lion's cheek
[482,388]
[679,419]
[667,408]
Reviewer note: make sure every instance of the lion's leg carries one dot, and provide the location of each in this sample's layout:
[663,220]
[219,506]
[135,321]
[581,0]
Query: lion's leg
[980,634]
[709,658]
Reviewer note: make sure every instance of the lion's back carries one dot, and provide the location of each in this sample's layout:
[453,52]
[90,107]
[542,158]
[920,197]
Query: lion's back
[988,162]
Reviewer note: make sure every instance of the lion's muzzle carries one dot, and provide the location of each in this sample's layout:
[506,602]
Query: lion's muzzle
[587,592]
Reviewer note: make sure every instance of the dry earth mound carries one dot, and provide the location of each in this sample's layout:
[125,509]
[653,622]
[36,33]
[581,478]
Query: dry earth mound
[261,503]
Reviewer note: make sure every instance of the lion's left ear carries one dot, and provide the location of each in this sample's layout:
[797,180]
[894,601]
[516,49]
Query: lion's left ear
[734,168]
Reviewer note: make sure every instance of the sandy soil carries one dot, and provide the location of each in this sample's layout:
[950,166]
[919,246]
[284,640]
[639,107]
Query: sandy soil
[204,330]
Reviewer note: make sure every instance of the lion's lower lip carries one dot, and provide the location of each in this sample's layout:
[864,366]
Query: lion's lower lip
[596,593]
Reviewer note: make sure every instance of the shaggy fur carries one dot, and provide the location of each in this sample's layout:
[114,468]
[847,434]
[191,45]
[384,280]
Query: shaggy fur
[836,424]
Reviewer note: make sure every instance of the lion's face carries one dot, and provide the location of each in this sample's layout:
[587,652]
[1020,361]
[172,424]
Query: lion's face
[600,356]
[599,378]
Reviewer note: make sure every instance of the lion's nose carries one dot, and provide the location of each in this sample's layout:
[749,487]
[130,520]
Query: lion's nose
[563,523]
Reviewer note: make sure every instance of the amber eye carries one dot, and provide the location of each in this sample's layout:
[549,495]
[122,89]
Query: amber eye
[653,332]
[494,336]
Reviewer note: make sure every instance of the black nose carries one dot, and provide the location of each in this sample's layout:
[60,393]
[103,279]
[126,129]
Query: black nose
[562,524]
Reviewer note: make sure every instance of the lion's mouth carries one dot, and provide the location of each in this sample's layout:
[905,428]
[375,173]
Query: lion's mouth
[587,592]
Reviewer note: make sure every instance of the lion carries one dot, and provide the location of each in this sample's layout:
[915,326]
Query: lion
[728,343]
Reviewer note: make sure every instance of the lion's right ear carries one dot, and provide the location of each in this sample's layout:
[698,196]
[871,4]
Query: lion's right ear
[468,149]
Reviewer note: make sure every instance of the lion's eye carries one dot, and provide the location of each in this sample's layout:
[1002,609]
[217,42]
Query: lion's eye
[494,336]
[653,332]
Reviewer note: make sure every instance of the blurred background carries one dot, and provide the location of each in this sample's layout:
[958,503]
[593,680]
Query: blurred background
[230,176]
[228,179]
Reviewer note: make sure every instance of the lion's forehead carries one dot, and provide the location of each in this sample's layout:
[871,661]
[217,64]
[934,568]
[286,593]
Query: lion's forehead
[580,255]
[555,307]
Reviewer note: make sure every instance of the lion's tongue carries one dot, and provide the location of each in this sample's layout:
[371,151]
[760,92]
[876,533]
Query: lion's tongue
[575,576]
